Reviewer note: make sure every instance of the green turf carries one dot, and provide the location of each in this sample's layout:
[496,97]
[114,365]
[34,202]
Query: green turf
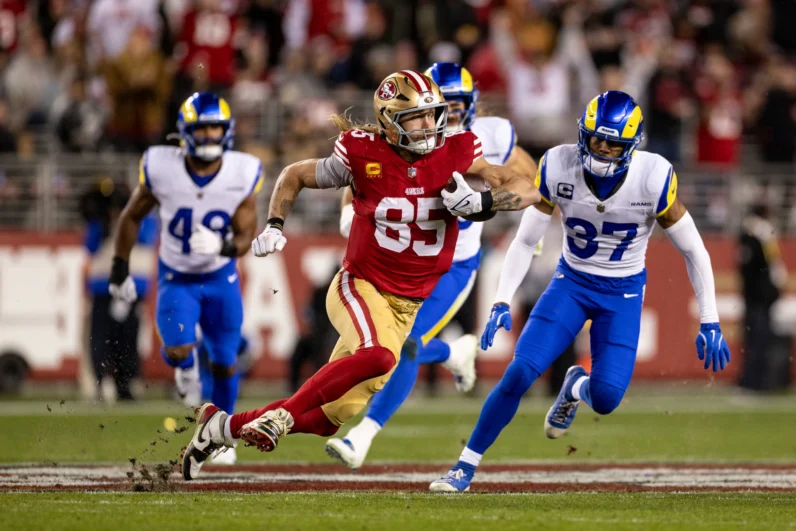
[355,511]
[417,434]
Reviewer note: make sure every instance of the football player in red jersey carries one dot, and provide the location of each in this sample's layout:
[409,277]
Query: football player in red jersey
[402,240]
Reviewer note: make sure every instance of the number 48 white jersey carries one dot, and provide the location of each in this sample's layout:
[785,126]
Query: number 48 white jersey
[184,204]
[607,238]
[497,140]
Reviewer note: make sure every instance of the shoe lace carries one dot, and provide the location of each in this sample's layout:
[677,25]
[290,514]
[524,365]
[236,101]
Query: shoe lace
[562,413]
[457,474]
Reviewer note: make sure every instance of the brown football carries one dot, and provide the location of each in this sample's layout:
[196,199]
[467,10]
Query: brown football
[478,184]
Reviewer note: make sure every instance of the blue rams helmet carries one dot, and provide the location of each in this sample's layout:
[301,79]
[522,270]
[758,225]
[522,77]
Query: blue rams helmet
[616,117]
[456,84]
[205,108]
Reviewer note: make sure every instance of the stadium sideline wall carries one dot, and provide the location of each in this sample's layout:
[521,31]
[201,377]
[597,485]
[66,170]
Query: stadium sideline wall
[43,305]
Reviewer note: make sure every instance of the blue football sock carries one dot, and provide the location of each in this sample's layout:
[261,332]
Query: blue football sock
[502,404]
[205,375]
[225,392]
[467,467]
[387,401]
[435,351]
[187,363]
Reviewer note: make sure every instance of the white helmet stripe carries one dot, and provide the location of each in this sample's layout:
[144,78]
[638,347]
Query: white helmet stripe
[420,80]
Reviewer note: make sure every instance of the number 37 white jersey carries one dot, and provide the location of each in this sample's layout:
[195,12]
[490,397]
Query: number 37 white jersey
[607,238]
[184,203]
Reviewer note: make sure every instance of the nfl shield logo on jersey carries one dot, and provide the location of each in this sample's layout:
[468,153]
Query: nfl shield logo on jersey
[411,172]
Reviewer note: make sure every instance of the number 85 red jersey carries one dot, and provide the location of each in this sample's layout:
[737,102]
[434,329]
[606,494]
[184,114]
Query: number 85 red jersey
[402,237]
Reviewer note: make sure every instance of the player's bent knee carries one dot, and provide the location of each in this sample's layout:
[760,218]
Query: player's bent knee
[381,360]
[223,371]
[605,397]
[518,378]
[178,353]
[410,348]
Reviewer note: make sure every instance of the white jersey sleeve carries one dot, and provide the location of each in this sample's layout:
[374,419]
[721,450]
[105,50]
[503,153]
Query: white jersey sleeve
[187,201]
[497,141]
[497,138]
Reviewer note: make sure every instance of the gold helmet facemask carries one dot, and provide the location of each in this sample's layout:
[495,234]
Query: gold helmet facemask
[406,92]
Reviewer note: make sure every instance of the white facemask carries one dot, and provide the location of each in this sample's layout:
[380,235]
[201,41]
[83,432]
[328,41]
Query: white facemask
[422,147]
[209,152]
[599,168]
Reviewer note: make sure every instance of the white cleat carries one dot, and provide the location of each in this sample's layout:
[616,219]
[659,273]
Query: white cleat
[224,456]
[208,438]
[189,385]
[462,362]
[344,451]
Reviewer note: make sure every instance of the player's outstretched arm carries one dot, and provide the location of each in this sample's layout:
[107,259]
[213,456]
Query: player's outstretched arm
[244,227]
[140,204]
[521,161]
[682,232]
[291,181]
[533,226]
[346,211]
[509,190]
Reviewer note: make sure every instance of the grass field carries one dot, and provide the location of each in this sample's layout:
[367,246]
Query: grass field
[696,461]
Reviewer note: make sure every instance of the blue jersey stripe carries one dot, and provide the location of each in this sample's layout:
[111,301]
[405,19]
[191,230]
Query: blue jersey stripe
[256,177]
[511,145]
[662,202]
[543,179]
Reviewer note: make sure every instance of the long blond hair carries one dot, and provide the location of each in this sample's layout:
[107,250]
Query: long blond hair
[343,122]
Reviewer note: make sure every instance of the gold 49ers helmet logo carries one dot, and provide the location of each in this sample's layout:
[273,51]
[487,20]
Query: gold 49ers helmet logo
[387,90]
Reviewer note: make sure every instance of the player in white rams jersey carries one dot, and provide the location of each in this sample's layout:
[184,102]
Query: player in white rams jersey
[205,193]
[498,141]
[610,197]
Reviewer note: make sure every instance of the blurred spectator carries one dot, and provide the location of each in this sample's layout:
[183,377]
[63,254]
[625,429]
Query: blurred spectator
[252,89]
[721,117]
[12,13]
[8,141]
[114,323]
[110,24]
[776,122]
[538,84]
[207,44]
[48,14]
[265,17]
[30,82]
[79,120]
[763,275]
[139,86]
[670,103]
[342,20]
[374,35]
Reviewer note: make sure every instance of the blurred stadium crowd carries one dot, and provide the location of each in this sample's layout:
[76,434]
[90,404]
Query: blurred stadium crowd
[716,78]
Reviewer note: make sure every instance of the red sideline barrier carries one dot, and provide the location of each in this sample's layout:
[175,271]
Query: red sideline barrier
[41,305]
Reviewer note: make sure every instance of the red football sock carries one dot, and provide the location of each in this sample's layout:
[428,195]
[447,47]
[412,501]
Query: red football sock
[314,421]
[237,420]
[335,378]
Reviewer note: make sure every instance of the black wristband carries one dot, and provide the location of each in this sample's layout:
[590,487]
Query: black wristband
[275,222]
[486,201]
[120,270]
[228,248]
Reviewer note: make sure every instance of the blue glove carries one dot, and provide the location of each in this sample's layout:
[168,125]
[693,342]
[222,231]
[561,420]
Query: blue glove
[500,317]
[712,347]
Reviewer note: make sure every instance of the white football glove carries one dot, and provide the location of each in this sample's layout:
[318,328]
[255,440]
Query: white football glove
[119,310]
[269,241]
[124,291]
[464,201]
[346,219]
[205,241]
